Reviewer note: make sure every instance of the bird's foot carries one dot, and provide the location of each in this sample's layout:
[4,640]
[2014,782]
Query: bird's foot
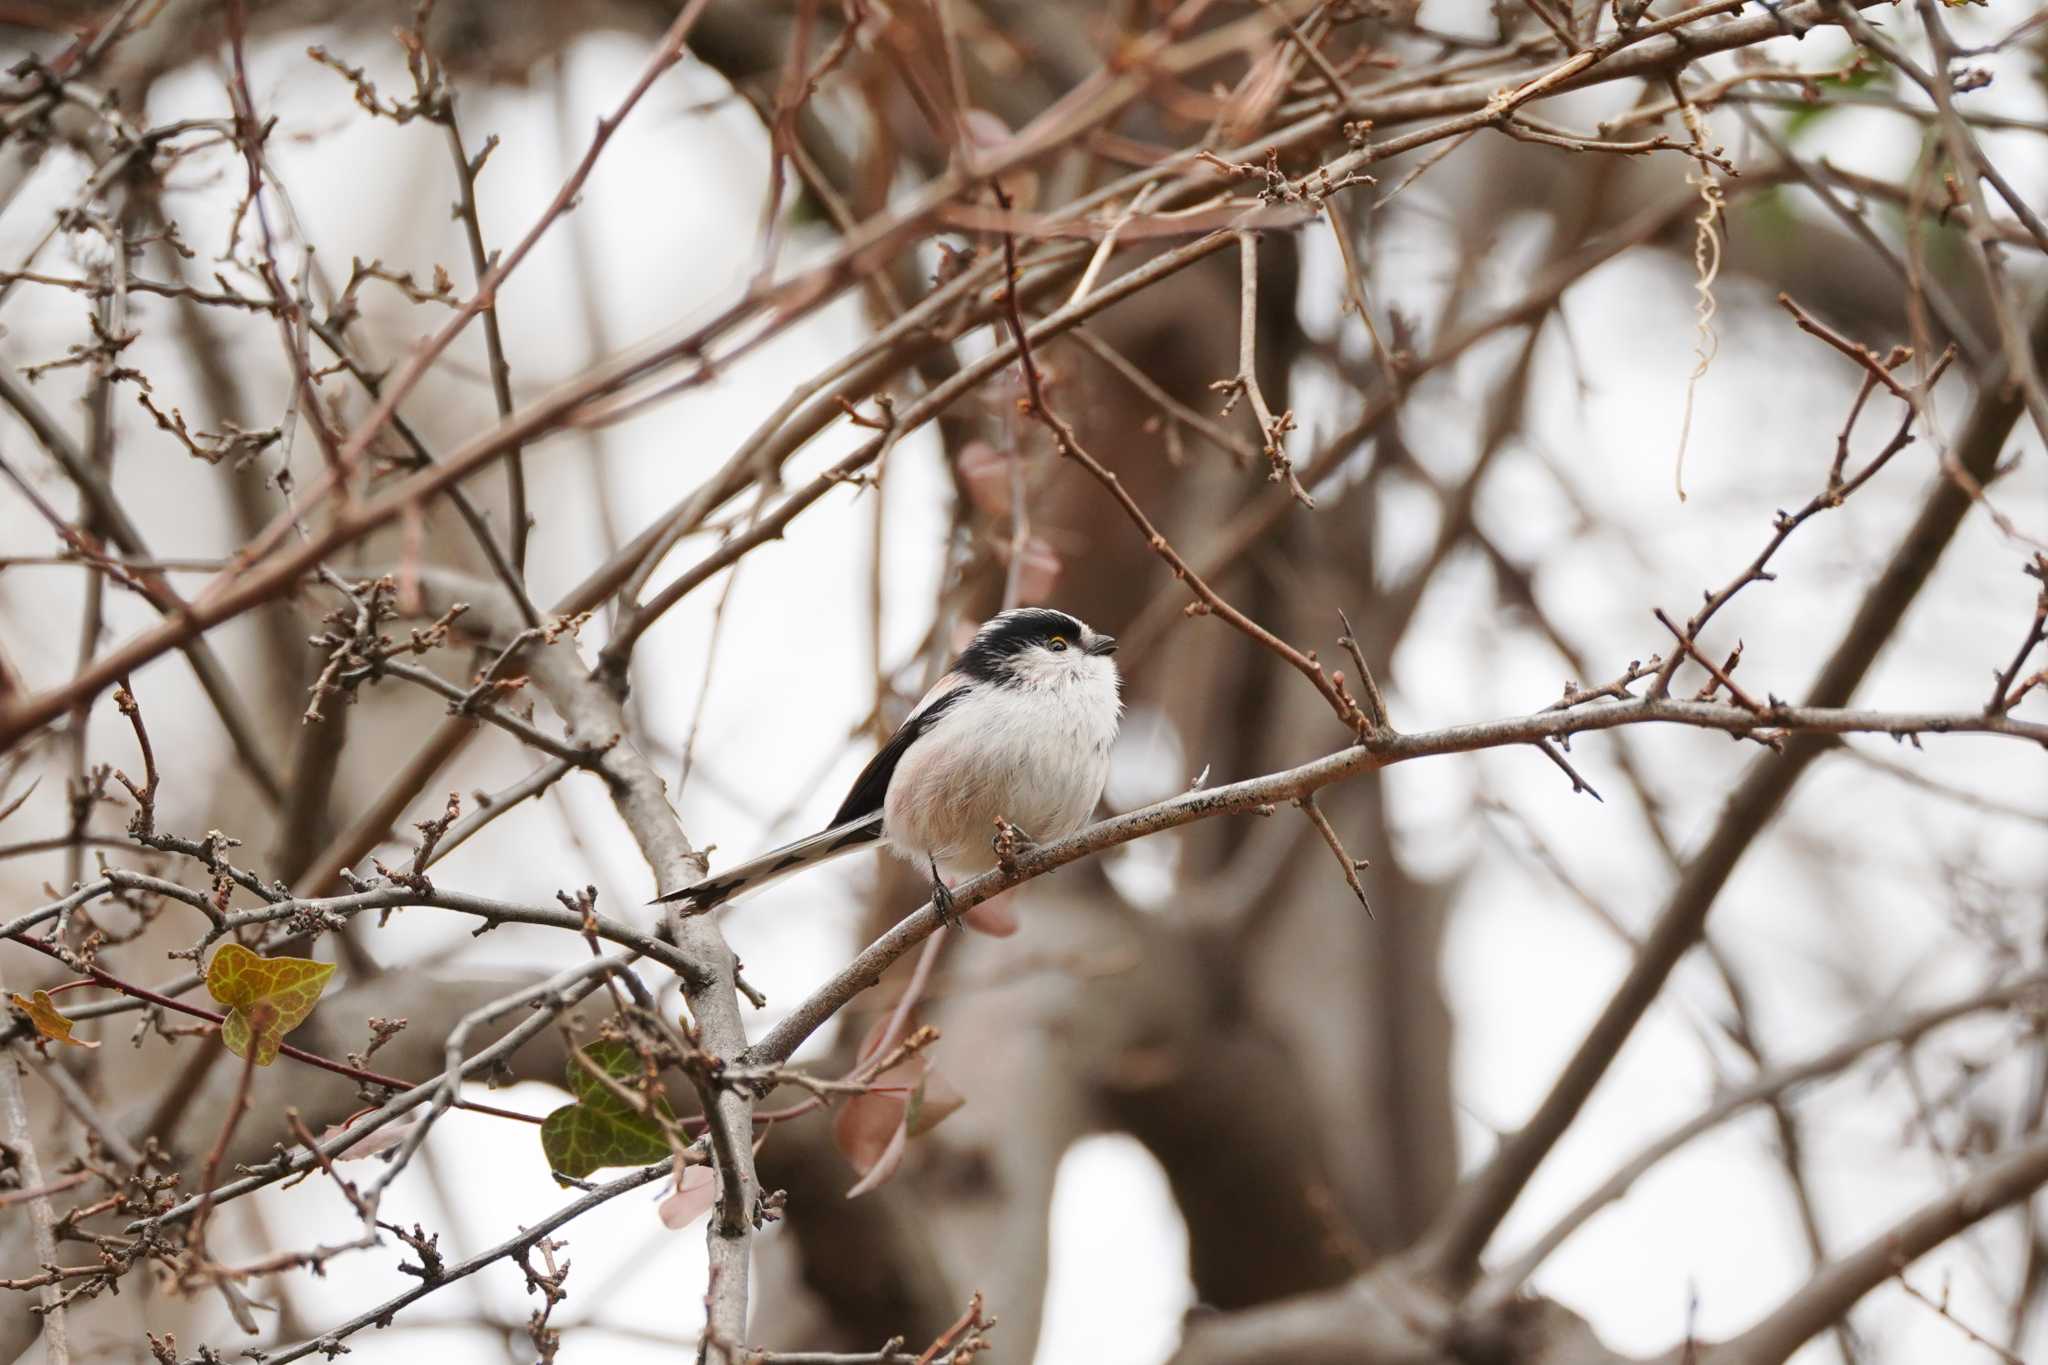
[942,900]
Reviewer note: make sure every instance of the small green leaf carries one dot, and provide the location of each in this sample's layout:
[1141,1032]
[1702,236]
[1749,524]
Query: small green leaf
[601,1129]
[267,997]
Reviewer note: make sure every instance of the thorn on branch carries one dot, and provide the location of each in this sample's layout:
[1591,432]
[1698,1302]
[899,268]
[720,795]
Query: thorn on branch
[2004,695]
[1579,784]
[1351,866]
[1375,701]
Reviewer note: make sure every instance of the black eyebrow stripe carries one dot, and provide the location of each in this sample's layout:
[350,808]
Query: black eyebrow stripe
[1011,633]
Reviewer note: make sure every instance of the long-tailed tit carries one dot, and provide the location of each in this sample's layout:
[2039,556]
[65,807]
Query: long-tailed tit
[1018,729]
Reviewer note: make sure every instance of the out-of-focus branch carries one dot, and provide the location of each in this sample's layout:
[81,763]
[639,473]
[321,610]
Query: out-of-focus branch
[466,170]
[1454,1246]
[329,1342]
[2002,1181]
[665,55]
[107,511]
[1501,1285]
[1971,166]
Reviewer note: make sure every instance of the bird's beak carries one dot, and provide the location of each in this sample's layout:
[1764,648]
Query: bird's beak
[1103,644]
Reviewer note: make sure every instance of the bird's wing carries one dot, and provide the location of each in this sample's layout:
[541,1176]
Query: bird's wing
[858,822]
[873,783]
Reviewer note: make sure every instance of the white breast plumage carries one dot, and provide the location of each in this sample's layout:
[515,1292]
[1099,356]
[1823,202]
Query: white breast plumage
[1037,756]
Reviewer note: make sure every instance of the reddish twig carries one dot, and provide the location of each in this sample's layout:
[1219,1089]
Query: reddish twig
[149,996]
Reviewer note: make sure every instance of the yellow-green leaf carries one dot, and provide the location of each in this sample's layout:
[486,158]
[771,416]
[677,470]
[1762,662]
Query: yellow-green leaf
[267,997]
[47,1020]
[601,1129]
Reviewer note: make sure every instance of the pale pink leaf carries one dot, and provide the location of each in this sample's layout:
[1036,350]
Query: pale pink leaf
[1039,573]
[383,1140]
[935,1099]
[866,1124]
[885,1164]
[996,916]
[692,1197]
[987,131]
[870,1044]
[985,128]
[985,475]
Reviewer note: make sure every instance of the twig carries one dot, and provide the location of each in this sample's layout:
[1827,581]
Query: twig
[1941,1310]
[969,1324]
[1686,646]
[1245,383]
[1522,128]
[1502,1284]
[1837,490]
[1375,703]
[1579,784]
[1207,598]
[1878,370]
[195,1270]
[2010,1176]
[213,1017]
[2003,696]
[328,1343]
[1350,866]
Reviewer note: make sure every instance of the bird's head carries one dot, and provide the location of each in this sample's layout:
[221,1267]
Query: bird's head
[1038,647]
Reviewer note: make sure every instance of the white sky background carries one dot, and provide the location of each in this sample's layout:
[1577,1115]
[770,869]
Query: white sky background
[672,216]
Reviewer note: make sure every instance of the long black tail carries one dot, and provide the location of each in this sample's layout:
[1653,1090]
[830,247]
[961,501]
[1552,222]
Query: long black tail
[772,867]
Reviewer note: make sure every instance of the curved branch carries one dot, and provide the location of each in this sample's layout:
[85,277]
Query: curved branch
[2004,1180]
[1258,793]
[1503,1284]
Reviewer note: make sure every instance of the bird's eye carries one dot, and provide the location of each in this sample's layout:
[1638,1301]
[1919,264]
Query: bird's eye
[1057,644]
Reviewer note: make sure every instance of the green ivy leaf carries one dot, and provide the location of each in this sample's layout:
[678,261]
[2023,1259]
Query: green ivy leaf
[267,997]
[600,1129]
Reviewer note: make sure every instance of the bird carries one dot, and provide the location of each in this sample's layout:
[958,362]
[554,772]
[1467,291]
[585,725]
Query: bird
[1018,729]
